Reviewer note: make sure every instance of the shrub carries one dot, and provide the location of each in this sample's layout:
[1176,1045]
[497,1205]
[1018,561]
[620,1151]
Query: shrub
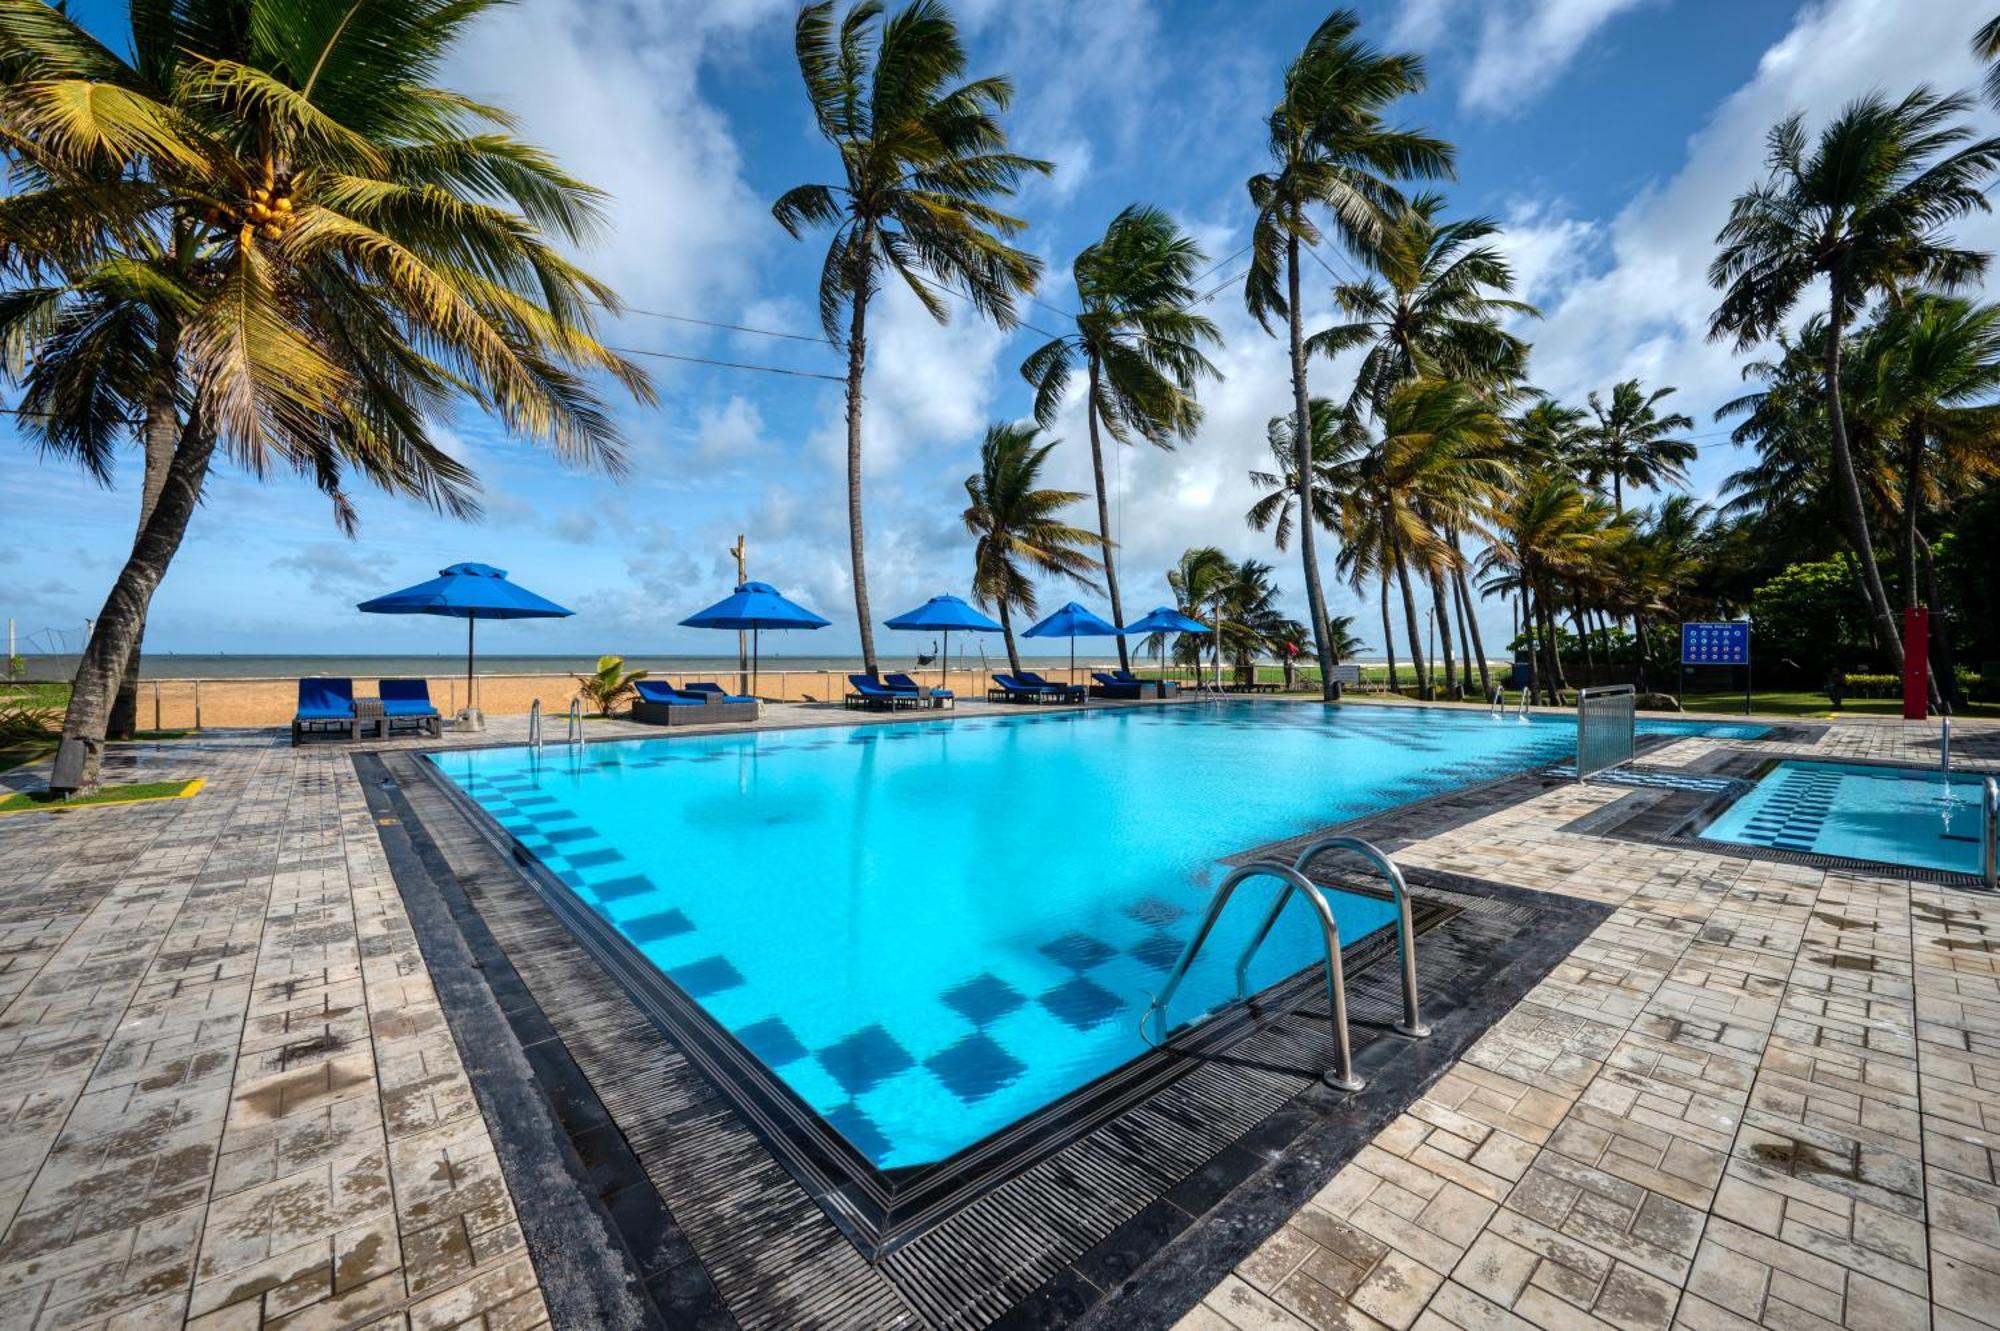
[610,685]
[25,721]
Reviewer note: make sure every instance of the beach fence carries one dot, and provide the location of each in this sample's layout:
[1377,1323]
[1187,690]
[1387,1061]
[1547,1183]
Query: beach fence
[187,704]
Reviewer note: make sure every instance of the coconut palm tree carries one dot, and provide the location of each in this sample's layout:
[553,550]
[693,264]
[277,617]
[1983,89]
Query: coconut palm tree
[1930,370]
[1435,311]
[1548,528]
[1630,442]
[1200,581]
[268,234]
[1336,436]
[1986,45]
[923,160]
[1139,345]
[1863,209]
[1016,530]
[1330,151]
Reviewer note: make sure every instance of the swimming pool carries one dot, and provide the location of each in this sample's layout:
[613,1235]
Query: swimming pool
[928,930]
[1890,815]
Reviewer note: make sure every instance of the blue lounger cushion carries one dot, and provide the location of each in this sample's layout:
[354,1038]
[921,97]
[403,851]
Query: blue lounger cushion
[406,697]
[326,700]
[869,687]
[904,684]
[658,691]
[709,689]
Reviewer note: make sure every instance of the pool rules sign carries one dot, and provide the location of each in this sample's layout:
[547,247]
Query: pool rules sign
[1724,644]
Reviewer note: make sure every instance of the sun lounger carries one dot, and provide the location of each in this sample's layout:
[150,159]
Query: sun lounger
[1066,692]
[1109,686]
[874,695]
[1163,687]
[933,697]
[1018,688]
[407,703]
[661,704]
[714,692]
[326,707]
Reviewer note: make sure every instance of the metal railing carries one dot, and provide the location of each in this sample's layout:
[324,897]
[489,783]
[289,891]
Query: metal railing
[1497,708]
[575,736]
[1412,1023]
[535,724]
[1606,721]
[1342,1076]
[1989,840]
[1944,746]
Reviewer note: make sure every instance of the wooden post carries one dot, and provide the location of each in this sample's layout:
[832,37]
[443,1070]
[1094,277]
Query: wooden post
[741,552]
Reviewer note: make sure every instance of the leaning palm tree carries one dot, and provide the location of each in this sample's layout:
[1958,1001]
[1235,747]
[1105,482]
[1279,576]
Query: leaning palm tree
[267,234]
[1863,209]
[1200,581]
[923,158]
[1435,311]
[1016,528]
[1630,442]
[1140,346]
[1330,150]
[1986,45]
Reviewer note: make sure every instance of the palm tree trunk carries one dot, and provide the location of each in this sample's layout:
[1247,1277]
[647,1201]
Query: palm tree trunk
[1578,618]
[1302,462]
[1417,662]
[1104,517]
[1887,641]
[1478,648]
[1444,634]
[1007,632]
[1913,461]
[857,362]
[162,428]
[1388,636]
[1639,645]
[117,628]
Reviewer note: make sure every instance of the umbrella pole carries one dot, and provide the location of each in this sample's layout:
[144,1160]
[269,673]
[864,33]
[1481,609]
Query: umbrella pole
[470,704]
[944,675]
[756,659]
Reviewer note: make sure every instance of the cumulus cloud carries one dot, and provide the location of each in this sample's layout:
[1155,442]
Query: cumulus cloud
[1518,47]
[1630,296]
[337,570]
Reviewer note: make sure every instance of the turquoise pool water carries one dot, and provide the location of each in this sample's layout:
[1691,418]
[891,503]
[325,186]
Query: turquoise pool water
[931,929]
[1892,815]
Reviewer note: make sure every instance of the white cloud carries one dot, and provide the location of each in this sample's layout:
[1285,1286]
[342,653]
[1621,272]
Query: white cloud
[1631,295]
[337,570]
[1519,48]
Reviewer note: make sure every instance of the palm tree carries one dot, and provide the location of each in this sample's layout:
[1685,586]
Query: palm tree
[1200,582]
[1631,442]
[1336,436]
[1140,346]
[1931,369]
[1863,209]
[1331,150]
[1986,45]
[1018,534]
[269,234]
[1435,312]
[1547,528]
[922,160]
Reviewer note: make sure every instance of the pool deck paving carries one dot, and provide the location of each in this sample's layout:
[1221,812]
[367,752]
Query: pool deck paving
[1760,1094]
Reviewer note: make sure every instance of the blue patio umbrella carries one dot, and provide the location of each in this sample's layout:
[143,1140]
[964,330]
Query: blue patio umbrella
[1166,619]
[470,592]
[1072,622]
[942,614]
[755,606]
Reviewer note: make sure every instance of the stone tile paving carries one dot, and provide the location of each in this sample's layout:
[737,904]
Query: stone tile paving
[1761,1095]
[228,1097]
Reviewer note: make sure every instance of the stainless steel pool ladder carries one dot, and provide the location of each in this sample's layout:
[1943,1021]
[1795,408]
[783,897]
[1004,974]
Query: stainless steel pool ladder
[1342,1075]
[1412,1023]
[535,725]
[1498,701]
[1944,745]
[1989,840]
[575,737]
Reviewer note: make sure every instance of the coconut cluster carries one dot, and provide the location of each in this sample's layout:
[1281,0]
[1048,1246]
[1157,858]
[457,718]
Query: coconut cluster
[266,211]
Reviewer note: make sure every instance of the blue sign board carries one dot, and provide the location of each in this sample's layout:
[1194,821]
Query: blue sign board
[1715,644]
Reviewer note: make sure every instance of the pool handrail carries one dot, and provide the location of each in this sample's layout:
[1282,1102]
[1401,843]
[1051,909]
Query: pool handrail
[535,724]
[575,736]
[1341,1077]
[1990,836]
[1412,1023]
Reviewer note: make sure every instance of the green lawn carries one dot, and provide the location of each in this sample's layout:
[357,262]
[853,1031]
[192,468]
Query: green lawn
[132,794]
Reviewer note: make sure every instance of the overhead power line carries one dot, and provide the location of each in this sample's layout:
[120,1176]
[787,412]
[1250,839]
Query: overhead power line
[821,339]
[730,364]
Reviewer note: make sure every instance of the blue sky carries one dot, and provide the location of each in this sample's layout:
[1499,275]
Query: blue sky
[1608,135]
